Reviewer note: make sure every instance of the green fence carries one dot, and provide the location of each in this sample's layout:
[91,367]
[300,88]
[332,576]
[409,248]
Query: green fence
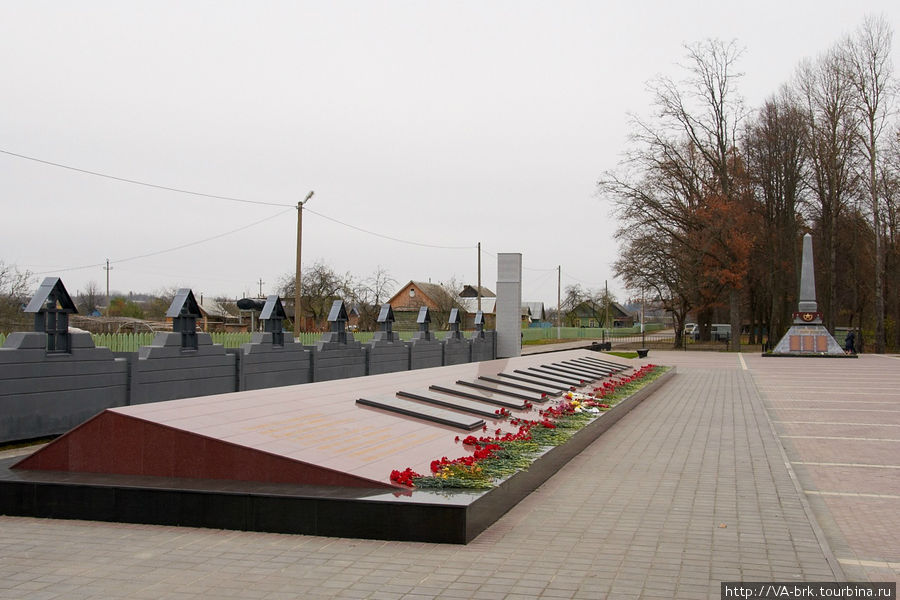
[130,342]
[534,334]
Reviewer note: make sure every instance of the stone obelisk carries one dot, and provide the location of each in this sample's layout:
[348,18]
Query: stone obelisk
[807,336]
[807,304]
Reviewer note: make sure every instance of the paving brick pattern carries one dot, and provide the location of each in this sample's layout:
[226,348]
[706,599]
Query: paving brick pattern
[687,490]
[839,421]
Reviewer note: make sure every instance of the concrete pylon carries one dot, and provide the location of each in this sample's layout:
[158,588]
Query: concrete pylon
[509,304]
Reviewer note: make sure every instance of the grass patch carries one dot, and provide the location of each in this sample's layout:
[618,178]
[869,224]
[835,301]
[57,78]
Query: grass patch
[621,354]
[26,443]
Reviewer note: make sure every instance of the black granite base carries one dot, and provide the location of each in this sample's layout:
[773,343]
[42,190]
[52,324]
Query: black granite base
[798,355]
[445,516]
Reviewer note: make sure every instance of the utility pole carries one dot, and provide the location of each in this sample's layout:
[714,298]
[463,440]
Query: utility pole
[479,275]
[297,312]
[107,268]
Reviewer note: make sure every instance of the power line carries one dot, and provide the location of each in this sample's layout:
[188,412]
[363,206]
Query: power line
[217,197]
[232,199]
[570,276]
[143,183]
[173,249]
[387,237]
[524,268]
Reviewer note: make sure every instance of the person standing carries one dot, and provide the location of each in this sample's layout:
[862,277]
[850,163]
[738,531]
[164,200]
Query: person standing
[850,343]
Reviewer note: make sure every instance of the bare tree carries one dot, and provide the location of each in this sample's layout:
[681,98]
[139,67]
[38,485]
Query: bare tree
[776,165]
[321,286]
[15,290]
[572,296]
[89,298]
[685,181]
[826,95]
[867,62]
[369,294]
[648,263]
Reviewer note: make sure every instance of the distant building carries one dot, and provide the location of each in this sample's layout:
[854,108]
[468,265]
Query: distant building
[592,314]
[214,317]
[471,291]
[415,294]
[537,315]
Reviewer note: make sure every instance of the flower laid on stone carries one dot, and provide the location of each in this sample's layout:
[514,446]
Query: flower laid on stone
[404,477]
[502,454]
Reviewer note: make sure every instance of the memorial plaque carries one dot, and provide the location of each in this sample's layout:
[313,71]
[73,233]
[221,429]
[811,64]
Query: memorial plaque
[549,375]
[485,396]
[502,389]
[525,377]
[451,402]
[529,387]
[575,371]
[601,362]
[427,413]
[594,370]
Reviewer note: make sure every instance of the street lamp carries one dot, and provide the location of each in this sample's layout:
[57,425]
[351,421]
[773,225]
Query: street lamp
[297,312]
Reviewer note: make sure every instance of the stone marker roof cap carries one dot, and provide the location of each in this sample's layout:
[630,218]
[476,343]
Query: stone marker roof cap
[454,316]
[273,309]
[386,314]
[424,315]
[338,312]
[51,287]
[184,304]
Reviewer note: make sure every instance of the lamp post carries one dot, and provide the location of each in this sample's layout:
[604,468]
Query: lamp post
[297,312]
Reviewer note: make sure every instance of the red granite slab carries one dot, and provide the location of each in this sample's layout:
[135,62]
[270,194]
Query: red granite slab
[312,433]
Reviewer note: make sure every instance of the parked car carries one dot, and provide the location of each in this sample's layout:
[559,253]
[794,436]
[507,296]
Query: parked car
[691,330]
[720,332]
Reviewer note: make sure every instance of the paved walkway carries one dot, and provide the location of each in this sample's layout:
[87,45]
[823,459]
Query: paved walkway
[689,489]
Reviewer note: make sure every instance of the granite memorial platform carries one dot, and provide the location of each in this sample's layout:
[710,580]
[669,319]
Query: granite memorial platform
[314,458]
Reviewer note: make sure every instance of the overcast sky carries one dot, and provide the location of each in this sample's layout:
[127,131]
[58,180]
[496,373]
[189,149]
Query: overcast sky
[437,123]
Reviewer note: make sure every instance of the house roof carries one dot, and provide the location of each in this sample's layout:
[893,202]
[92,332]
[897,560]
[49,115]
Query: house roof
[471,291]
[592,307]
[431,290]
[211,308]
[488,305]
[537,310]
[624,311]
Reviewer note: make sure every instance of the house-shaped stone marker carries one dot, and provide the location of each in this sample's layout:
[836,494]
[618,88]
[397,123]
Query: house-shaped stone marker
[50,379]
[425,350]
[387,354]
[457,349]
[271,359]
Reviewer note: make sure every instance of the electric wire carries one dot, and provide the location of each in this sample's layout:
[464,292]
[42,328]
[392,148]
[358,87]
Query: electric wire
[143,183]
[387,237]
[232,199]
[228,198]
[173,249]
